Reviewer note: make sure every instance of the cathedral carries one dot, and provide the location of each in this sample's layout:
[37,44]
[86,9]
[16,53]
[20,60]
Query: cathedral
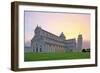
[44,41]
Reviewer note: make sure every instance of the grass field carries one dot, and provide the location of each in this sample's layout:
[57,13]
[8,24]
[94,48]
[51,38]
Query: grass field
[55,56]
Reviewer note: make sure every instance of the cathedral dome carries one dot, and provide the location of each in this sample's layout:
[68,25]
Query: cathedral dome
[62,36]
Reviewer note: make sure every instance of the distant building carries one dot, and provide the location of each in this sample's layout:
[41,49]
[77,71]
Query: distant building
[79,43]
[44,41]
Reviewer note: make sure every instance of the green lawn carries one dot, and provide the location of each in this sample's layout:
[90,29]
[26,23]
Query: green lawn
[55,56]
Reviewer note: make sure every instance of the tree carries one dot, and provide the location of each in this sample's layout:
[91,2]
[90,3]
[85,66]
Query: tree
[83,50]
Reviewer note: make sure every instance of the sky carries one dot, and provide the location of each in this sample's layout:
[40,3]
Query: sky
[71,24]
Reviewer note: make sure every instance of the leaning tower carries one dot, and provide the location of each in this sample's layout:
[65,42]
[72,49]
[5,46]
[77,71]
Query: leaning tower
[79,43]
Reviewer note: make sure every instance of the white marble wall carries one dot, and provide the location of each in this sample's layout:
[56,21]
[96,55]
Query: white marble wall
[52,43]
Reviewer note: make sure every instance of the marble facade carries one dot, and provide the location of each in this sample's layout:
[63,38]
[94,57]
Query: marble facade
[44,41]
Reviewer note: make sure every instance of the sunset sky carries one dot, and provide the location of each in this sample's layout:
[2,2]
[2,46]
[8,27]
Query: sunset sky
[70,24]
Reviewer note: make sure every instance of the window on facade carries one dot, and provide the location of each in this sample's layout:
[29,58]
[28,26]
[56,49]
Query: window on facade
[33,49]
[40,49]
[37,49]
